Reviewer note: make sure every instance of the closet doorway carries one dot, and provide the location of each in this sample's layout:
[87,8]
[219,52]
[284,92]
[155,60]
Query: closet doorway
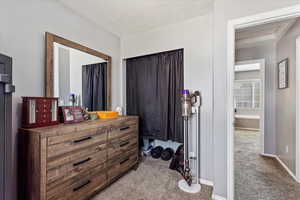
[153,92]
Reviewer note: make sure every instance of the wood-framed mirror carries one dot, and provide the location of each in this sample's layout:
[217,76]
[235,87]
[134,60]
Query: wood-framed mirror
[76,70]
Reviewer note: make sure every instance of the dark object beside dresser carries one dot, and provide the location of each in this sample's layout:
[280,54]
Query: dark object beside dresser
[75,161]
[167,154]
[156,152]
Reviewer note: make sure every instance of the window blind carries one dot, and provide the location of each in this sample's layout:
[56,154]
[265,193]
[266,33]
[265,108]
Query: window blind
[247,94]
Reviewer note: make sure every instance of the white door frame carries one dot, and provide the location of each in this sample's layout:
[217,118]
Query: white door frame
[273,16]
[262,63]
[298,109]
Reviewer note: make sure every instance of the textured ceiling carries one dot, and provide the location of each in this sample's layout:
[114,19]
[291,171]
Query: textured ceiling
[262,34]
[123,17]
[262,30]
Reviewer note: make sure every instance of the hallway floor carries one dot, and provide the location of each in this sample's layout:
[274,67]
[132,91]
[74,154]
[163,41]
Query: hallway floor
[258,177]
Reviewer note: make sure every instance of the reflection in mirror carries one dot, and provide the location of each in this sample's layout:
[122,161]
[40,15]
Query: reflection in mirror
[79,78]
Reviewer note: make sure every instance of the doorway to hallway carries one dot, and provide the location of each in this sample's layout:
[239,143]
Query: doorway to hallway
[280,145]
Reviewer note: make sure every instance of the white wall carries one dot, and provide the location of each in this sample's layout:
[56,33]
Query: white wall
[195,36]
[265,51]
[23,26]
[286,120]
[225,10]
[62,74]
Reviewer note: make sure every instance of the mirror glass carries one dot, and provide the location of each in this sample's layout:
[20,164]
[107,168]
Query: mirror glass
[80,78]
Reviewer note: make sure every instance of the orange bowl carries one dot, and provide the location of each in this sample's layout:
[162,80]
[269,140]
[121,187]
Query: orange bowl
[107,114]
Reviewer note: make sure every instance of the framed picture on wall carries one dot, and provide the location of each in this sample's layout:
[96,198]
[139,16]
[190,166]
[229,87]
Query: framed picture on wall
[283,74]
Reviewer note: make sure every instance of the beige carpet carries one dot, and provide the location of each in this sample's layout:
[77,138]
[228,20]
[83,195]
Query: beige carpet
[258,177]
[152,181]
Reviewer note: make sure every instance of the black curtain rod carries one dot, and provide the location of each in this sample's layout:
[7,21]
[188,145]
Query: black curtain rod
[154,54]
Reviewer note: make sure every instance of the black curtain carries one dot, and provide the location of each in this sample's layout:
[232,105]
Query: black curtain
[94,84]
[154,85]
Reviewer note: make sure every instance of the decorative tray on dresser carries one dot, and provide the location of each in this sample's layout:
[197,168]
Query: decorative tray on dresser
[75,161]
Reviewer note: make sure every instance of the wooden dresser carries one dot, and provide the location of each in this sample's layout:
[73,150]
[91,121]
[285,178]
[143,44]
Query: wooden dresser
[68,162]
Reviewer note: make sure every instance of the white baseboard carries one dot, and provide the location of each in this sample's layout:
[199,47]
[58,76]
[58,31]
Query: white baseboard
[286,168]
[282,164]
[217,197]
[206,182]
[268,155]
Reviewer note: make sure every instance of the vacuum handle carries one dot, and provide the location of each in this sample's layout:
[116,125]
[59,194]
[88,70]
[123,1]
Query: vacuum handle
[194,96]
[194,99]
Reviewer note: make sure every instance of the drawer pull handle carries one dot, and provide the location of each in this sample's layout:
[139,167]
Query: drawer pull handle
[124,161]
[82,140]
[124,144]
[81,162]
[125,128]
[81,186]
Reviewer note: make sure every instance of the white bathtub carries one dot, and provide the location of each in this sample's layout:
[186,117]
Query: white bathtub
[247,116]
[249,122]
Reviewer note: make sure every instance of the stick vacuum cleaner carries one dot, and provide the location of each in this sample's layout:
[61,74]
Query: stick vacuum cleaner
[191,103]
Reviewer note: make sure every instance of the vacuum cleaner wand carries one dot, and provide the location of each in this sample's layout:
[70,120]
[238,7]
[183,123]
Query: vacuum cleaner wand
[188,100]
[186,171]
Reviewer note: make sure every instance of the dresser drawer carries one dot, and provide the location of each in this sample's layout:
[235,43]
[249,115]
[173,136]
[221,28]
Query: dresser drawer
[120,146]
[73,156]
[76,134]
[122,130]
[120,166]
[59,145]
[78,187]
[77,166]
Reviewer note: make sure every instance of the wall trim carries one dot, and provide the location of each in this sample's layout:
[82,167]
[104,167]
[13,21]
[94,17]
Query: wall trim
[282,164]
[217,197]
[267,17]
[298,109]
[286,168]
[268,155]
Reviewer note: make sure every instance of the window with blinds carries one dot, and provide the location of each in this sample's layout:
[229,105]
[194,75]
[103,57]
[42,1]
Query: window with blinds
[247,94]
